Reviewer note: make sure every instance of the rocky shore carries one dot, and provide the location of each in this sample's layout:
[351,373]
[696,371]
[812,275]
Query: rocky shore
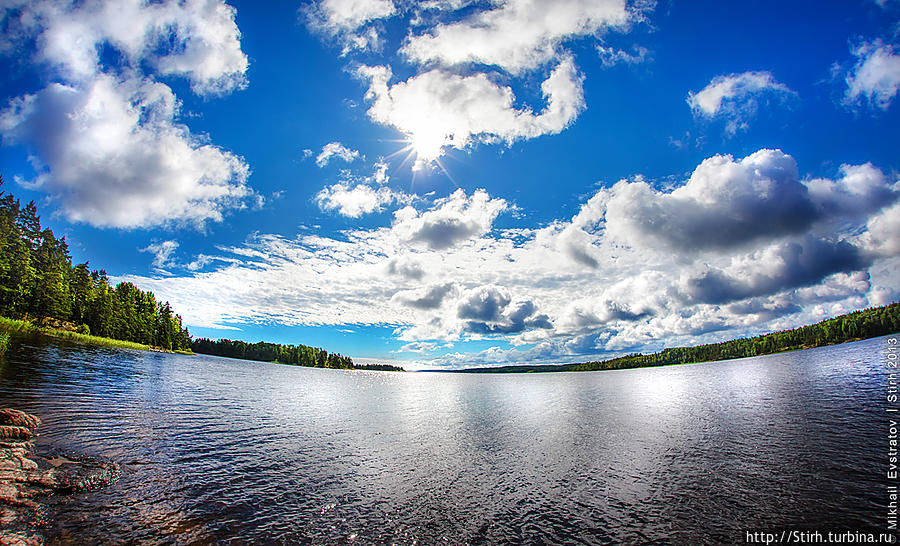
[25,477]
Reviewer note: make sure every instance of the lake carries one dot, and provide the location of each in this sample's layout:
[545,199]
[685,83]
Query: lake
[222,451]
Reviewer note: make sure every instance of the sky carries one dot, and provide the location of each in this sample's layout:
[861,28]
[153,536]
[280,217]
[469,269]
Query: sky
[453,183]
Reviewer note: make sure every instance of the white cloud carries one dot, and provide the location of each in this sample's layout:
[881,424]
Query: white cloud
[862,189]
[357,196]
[771,270]
[405,267]
[467,65]
[438,109]
[113,154]
[338,150]
[349,22]
[451,221]
[462,280]
[443,5]
[734,97]
[354,201]
[515,35]
[162,253]
[104,138]
[199,38]
[611,56]
[876,77]
[724,204]
[349,15]
[883,234]
[492,310]
[427,297]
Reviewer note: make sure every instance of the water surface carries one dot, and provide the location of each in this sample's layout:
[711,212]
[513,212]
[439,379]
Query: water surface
[222,451]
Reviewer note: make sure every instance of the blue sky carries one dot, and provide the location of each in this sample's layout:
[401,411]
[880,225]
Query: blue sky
[451,183]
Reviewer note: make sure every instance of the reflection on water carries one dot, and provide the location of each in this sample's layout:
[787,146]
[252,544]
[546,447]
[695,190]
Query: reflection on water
[216,450]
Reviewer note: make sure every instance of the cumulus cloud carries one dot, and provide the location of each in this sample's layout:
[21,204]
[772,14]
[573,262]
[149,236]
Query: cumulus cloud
[348,15]
[875,78]
[725,203]
[454,219]
[491,310]
[439,109]
[338,150]
[104,138]
[354,201]
[350,22]
[630,299]
[429,297]
[774,269]
[468,63]
[515,35]
[735,96]
[406,267]
[728,204]
[883,233]
[862,189]
[360,195]
[197,39]
[113,154]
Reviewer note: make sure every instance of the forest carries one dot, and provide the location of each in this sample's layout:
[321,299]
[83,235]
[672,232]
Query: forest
[298,355]
[379,367]
[38,283]
[868,323]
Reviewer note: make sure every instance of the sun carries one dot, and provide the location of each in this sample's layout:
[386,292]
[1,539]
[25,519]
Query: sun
[427,145]
[424,144]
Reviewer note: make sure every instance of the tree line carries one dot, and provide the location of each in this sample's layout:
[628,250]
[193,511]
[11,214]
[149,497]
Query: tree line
[38,281]
[298,355]
[868,323]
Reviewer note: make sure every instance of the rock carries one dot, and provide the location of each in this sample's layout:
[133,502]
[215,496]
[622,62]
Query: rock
[8,432]
[25,476]
[18,418]
[85,474]
[12,538]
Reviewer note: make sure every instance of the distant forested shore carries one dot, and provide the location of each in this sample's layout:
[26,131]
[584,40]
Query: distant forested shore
[865,324]
[297,355]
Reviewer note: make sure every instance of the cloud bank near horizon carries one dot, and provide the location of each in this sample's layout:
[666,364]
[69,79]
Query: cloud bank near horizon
[742,245]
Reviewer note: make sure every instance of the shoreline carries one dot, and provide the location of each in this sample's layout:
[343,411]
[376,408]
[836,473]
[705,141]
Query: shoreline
[574,367]
[14,326]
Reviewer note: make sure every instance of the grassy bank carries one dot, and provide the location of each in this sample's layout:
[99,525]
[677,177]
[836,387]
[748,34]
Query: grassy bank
[21,326]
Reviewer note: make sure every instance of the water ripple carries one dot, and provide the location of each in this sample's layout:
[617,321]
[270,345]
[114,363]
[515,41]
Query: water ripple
[220,451]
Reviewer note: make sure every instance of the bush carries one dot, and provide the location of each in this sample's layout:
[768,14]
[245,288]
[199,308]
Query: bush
[84,329]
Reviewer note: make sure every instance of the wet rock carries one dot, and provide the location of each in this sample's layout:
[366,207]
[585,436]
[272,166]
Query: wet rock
[8,433]
[18,418]
[25,476]
[13,538]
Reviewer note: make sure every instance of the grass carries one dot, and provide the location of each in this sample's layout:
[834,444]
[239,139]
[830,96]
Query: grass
[4,342]
[12,325]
